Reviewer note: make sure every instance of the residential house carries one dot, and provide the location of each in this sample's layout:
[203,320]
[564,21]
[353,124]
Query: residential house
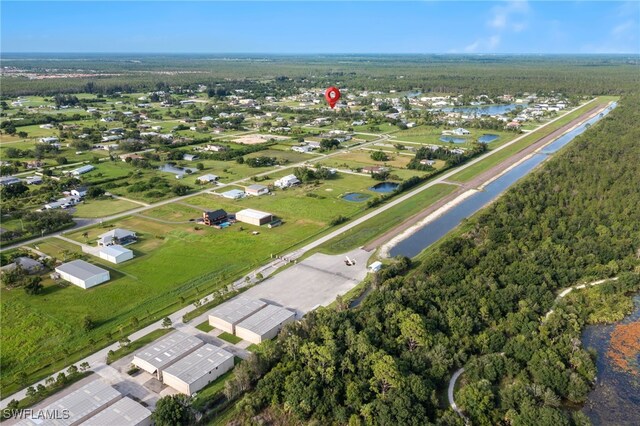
[117,236]
[287,181]
[80,191]
[49,140]
[461,132]
[34,180]
[9,180]
[207,178]
[233,194]
[374,169]
[215,217]
[189,157]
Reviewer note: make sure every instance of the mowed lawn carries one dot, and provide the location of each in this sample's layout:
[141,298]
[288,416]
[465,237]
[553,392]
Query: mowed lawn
[102,208]
[174,264]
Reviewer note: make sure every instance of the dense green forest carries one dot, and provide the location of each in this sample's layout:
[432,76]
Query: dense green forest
[265,75]
[477,301]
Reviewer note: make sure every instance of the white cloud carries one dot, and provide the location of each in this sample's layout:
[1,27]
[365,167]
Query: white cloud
[622,28]
[510,16]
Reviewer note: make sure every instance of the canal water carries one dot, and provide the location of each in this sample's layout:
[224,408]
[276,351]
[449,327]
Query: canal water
[615,399]
[433,231]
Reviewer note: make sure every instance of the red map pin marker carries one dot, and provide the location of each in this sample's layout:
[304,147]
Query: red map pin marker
[332,95]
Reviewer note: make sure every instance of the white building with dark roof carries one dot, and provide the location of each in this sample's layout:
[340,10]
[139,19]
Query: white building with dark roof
[228,314]
[83,274]
[196,370]
[162,353]
[264,324]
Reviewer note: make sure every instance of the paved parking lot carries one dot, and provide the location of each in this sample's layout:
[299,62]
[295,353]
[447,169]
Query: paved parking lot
[316,281]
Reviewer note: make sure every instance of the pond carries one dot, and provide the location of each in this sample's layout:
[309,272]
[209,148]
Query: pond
[356,197]
[485,109]
[616,396]
[178,171]
[384,187]
[487,138]
[452,139]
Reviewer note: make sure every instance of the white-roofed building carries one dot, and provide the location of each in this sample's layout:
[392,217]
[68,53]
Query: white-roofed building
[164,352]
[117,236]
[227,315]
[81,170]
[254,217]
[125,412]
[233,194]
[287,181]
[264,324]
[198,369]
[207,178]
[83,274]
[115,254]
[256,190]
[76,407]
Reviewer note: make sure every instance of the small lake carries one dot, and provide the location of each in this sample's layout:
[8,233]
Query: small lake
[485,109]
[356,197]
[178,171]
[384,187]
[452,139]
[433,231]
[615,398]
[488,138]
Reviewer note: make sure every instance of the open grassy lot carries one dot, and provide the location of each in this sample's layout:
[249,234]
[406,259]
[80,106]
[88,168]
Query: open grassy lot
[431,135]
[364,157]
[363,233]
[496,158]
[102,208]
[42,332]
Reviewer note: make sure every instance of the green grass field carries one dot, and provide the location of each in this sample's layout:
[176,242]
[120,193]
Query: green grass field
[205,326]
[102,208]
[174,264]
[228,337]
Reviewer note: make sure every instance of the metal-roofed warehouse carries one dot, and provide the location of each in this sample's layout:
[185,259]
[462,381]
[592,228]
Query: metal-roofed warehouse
[77,406]
[161,354]
[198,369]
[264,324]
[83,274]
[254,217]
[115,254]
[227,315]
[125,412]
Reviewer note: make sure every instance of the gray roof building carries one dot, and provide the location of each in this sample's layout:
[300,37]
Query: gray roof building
[125,412]
[77,406]
[196,370]
[164,352]
[264,324]
[227,315]
[82,274]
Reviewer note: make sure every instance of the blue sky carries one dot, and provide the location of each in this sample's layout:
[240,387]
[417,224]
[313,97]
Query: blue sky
[321,27]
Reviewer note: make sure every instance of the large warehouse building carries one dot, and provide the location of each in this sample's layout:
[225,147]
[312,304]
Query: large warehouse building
[83,274]
[125,412]
[254,217]
[227,315]
[78,406]
[164,352]
[264,324]
[115,254]
[198,369]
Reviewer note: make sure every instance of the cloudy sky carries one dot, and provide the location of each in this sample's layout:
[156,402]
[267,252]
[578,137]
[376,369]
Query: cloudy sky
[321,27]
